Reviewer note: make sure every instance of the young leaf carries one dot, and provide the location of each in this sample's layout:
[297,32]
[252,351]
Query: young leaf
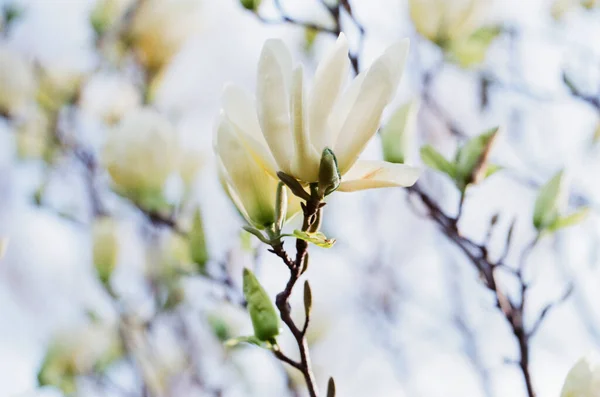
[318,238]
[198,249]
[262,312]
[569,220]
[472,50]
[471,158]
[234,342]
[433,159]
[397,135]
[549,202]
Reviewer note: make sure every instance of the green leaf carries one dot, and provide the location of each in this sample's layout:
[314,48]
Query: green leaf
[398,134]
[472,157]
[257,234]
[569,220]
[549,202]
[265,319]
[433,159]
[491,169]
[317,238]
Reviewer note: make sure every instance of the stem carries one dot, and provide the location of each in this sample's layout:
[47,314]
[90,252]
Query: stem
[311,215]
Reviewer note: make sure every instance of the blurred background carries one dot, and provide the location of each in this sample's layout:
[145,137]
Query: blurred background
[122,272]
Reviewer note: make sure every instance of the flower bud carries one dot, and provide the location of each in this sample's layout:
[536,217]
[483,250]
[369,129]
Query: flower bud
[265,319]
[251,5]
[397,136]
[105,247]
[17,82]
[160,28]
[329,174]
[198,249]
[583,380]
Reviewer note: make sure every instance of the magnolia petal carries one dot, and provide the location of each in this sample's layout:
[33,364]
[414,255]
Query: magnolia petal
[272,102]
[377,89]
[330,77]
[246,179]
[240,109]
[376,174]
[306,160]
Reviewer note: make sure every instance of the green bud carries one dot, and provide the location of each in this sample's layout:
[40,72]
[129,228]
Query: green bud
[281,204]
[549,202]
[307,298]
[251,5]
[262,312]
[331,388]
[472,159]
[398,134]
[329,174]
[198,250]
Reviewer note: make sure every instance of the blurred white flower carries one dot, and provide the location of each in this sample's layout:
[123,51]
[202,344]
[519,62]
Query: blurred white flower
[17,82]
[140,153]
[160,28]
[33,134]
[57,86]
[105,247]
[288,128]
[251,188]
[3,246]
[583,380]
[442,21]
[106,13]
[109,97]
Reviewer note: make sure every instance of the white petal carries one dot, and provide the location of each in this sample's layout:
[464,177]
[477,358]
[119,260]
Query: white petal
[330,77]
[252,186]
[376,174]
[306,160]
[273,102]
[377,89]
[240,109]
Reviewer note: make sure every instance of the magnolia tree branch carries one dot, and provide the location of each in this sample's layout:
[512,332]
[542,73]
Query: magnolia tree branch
[297,267]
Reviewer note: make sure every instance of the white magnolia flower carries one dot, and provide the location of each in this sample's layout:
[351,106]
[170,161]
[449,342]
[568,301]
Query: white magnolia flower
[160,28]
[3,246]
[110,97]
[583,380]
[288,126]
[443,20]
[17,82]
[251,188]
[141,152]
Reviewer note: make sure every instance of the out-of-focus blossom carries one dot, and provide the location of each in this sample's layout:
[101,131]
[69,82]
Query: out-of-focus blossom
[251,188]
[561,7]
[57,86]
[160,28]
[109,97]
[90,348]
[17,82]
[33,133]
[583,380]
[141,152]
[289,129]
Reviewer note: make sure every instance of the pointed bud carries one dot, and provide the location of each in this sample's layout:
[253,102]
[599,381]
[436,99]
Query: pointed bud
[281,204]
[251,5]
[329,174]
[198,250]
[307,298]
[105,246]
[331,388]
[262,312]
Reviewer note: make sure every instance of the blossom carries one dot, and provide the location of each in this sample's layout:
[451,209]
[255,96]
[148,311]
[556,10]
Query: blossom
[141,152]
[160,28]
[18,82]
[287,128]
[583,380]
[251,188]
[109,97]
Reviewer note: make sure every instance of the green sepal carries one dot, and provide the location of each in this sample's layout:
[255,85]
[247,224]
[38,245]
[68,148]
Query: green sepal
[433,159]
